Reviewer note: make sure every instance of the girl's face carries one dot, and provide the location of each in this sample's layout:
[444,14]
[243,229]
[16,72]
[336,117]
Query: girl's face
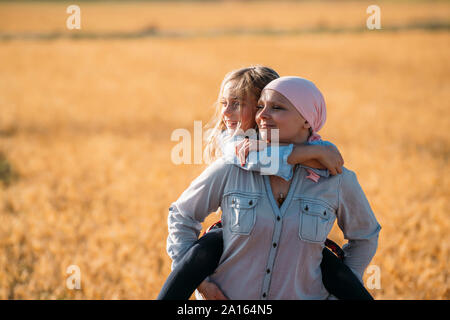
[231,109]
[276,112]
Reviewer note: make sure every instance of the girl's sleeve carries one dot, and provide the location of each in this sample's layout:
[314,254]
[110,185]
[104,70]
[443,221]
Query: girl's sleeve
[276,165]
[270,161]
[358,223]
[202,197]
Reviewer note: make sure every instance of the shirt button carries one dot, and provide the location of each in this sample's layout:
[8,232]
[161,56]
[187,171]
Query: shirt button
[268,270]
[274,245]
[264,295]
[278,218]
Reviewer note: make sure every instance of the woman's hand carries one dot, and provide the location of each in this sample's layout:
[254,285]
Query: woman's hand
[330,158]
[210,291]
[243,148]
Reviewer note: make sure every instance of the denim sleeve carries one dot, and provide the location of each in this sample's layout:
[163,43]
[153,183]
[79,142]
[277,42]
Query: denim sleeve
[202,197]
[358,223]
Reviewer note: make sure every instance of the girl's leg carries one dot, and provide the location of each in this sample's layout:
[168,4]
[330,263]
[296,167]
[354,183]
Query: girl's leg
[199,262]
[340,280]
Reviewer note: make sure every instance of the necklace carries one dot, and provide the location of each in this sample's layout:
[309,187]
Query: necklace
[280,199]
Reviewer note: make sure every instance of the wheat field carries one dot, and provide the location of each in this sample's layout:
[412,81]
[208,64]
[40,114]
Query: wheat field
[85,127]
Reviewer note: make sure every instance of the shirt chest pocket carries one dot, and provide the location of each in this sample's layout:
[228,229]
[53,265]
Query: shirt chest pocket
[315,221]
[241,215]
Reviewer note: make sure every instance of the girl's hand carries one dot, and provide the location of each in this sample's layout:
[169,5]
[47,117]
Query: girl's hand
[210,291]
[330,158]
[243,148]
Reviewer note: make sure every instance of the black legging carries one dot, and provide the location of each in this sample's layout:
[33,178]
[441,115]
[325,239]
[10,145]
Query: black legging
[203,258]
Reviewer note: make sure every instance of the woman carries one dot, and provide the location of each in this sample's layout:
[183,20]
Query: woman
[273,252]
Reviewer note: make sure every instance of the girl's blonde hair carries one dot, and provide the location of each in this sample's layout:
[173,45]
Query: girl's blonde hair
[249,83]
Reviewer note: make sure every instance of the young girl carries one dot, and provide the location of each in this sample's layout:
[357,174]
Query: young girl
[238,98]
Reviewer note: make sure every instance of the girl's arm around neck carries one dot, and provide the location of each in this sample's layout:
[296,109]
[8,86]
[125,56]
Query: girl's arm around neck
[320,155]
[306,155]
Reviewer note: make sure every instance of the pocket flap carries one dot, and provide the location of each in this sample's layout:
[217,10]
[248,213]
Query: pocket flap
[243,202]
[316,209]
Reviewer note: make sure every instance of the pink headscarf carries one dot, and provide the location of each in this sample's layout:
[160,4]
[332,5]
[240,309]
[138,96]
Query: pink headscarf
[306,98]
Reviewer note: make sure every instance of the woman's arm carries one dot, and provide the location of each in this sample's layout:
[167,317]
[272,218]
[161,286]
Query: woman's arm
[358,223]
[202,197]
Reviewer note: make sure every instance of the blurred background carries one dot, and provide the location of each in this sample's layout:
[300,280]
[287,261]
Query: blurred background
[86,116]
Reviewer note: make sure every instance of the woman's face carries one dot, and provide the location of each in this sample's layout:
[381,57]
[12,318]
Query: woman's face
[276,112]
[231,105]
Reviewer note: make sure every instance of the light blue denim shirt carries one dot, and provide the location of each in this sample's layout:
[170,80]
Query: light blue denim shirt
[273,252]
